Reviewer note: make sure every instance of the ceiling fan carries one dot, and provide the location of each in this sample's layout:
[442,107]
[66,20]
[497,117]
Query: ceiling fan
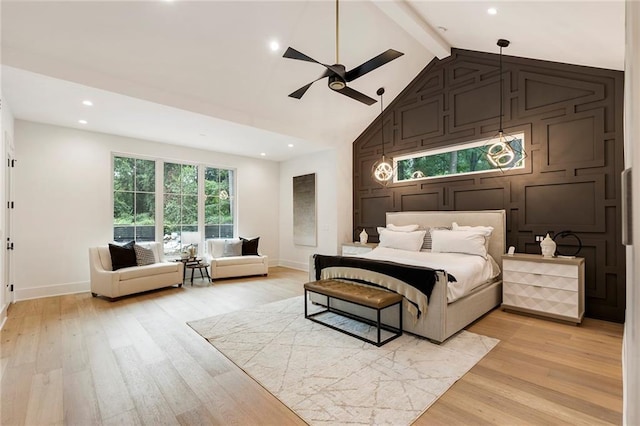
[337,73]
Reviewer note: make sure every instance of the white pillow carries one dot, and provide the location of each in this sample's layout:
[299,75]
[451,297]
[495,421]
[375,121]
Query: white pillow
[410,241]
[405,228]
[466,242]
[484,230]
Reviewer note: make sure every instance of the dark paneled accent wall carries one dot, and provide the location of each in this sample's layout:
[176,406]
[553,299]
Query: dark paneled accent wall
[572,120]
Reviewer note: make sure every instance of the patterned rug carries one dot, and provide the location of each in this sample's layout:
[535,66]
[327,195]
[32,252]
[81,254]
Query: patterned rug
[327,377]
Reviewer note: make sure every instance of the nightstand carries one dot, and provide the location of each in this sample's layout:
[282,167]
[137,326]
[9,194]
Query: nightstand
[551,287]
[355,249]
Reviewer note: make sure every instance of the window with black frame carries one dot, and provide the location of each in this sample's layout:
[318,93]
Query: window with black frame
[190,198]
[475,157]
[133,199]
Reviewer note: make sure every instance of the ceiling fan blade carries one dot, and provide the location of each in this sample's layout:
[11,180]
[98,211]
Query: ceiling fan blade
[372,64]
[354,94]
[292,53]
[301,91]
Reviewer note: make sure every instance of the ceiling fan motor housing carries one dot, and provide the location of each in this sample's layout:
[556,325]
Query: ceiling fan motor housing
[336,79]
[336,83]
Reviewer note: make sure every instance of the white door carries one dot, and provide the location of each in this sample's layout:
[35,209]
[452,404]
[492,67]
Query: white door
[631,347]
[8,243]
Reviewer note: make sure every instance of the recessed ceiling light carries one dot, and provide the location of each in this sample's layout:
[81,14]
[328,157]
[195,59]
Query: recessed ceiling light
[87,103]
[290,145]
[82,121]
[263,154]
[274,45]
[492,11]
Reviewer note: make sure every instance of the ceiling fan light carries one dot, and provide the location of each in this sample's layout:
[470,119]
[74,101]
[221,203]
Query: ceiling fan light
[335,83]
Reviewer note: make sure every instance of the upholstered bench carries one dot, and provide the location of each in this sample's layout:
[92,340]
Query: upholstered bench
[370,297]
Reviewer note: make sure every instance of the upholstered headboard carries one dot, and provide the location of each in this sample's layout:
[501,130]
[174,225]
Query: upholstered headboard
[495,218]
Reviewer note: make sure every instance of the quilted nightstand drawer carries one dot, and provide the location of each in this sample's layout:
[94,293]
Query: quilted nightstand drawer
[559,270]
[541,280]
[542,299]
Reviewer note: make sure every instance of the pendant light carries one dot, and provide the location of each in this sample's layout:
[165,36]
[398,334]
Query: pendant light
[507,152]
[382,170]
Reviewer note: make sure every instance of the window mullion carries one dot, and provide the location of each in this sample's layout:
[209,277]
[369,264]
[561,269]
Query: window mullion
[201,205]
[159,200]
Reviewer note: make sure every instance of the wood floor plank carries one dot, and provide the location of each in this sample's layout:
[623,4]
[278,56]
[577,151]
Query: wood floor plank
[180,397]
[26,349]
[151,406]
[135,361]
[15,389]
[45,399]
[79,399]
[111,391]
[10,333]
[75,355]
[512,394]
[198,416]
[50,337]
[127,418]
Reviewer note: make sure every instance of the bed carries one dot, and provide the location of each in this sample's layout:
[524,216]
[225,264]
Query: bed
[444,318]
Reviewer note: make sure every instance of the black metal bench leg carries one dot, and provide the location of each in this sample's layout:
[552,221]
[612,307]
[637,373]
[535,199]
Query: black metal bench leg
[378,325]
[192,271]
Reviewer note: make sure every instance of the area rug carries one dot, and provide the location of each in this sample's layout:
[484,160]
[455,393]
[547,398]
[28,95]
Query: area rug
[329,378]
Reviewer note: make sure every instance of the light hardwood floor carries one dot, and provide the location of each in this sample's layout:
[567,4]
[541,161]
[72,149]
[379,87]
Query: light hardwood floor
[80,360]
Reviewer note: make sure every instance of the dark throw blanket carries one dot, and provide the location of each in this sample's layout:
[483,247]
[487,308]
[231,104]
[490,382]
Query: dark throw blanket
[419,277]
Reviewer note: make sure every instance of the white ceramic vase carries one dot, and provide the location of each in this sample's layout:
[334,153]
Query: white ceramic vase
[364,237]
[548,247]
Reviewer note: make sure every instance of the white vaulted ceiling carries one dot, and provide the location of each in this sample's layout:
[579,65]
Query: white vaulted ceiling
[201,73]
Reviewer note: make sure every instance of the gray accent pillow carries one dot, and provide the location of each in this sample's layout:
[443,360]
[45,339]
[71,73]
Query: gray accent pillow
[426,244]
[144,256]
[232,248]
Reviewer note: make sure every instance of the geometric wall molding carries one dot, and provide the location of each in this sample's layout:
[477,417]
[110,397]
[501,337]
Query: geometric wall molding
[572,120]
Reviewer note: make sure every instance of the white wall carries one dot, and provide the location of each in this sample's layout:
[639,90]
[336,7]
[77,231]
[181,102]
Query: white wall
[344,192]
[63,201]
[323,164]
[6,139]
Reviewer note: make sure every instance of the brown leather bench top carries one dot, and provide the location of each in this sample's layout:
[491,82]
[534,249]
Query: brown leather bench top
[360,294]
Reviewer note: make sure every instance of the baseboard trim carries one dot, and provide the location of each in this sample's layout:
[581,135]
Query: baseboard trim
[300,266]
[50,290]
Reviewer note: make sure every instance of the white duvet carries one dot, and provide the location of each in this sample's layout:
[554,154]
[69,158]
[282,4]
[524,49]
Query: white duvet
[469,271]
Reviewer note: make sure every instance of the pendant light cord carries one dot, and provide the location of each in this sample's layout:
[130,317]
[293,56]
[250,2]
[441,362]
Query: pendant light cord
[501,95]
[382,122]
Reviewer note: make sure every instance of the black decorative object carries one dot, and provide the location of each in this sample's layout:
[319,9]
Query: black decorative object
[563,235]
